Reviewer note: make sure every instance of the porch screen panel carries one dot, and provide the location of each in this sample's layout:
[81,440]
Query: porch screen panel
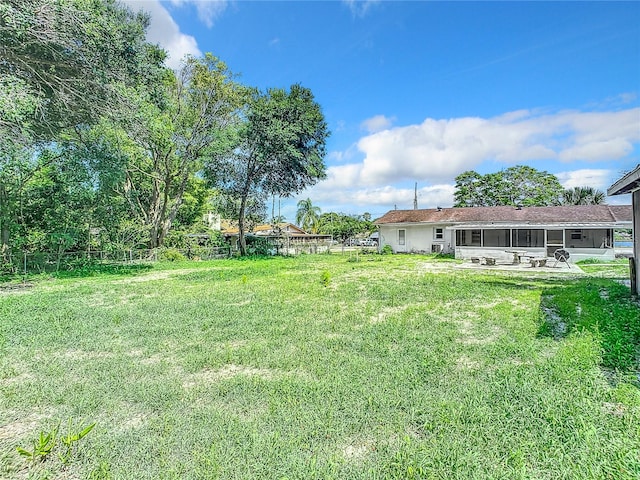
[496,238]
[589,238]
[528,237]
[468,238]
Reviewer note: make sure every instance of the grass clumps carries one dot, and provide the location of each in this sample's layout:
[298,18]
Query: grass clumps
[404,367]
[601,307]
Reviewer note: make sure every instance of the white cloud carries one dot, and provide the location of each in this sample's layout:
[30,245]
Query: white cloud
[596,178]
[428,197]
[359,8]
[438,150]
[208,10]
[377,123]
[164,31]
[342,187]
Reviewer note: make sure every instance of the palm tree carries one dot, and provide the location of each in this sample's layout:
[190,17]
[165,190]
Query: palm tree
[583,196]
[307,215]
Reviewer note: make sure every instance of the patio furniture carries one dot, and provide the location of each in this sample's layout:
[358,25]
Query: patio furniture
[538,261]
[562,256]
[517,255]
[489,260]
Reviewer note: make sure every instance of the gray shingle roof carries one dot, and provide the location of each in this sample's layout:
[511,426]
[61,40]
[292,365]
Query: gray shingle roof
[531,215]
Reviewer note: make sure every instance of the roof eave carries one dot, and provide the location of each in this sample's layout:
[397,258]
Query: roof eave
[627,184]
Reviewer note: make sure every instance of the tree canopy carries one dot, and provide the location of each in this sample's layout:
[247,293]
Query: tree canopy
[307,215]
[343,227]
[66,58]
[103,143]
[519,185]
[583,196]
[278,149]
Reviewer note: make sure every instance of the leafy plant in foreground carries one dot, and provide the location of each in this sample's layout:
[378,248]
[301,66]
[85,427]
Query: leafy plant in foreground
[70,439]
[44,445]
[325,278]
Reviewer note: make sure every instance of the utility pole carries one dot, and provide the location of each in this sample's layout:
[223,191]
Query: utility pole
[415,197]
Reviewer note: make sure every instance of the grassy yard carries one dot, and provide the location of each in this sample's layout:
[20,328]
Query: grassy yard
[317,367]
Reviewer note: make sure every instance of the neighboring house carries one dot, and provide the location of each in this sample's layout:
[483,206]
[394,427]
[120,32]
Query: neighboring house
[630,183]
[585,231]
[283,235]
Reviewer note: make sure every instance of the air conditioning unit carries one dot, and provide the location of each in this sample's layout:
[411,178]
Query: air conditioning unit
[436,248]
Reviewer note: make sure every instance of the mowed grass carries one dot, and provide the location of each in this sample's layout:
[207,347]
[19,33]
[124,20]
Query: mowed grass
[314,367]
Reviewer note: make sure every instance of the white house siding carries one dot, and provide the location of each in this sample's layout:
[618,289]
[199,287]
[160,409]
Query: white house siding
[417,238]
[635,198]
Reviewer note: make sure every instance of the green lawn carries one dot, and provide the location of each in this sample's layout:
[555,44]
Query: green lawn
[318,367]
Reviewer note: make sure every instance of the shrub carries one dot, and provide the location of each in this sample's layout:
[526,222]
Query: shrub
[172,255]
[386,250]
[325,278]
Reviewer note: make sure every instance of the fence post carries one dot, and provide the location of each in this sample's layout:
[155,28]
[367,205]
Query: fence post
[25,263]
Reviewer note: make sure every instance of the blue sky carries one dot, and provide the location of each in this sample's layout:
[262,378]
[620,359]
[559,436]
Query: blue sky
[422,91]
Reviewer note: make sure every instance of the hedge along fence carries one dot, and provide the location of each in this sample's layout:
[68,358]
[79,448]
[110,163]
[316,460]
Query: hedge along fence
[40,262]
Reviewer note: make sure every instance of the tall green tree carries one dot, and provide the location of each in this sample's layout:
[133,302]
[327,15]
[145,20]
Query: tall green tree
[307,215]
[519,185]
[279,151]
[68,55]
[63,65]
[343,227]
[583,196]
[149,158]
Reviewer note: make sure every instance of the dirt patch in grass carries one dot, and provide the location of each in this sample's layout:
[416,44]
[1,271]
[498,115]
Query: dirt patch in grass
[82,355]
[615,409]
[356,451]
[436,267]
[20,428]
[387,311]
[163,275]
[469,335]
[136,420]
[15,288]
[22,378]
[466,363]
[226,372]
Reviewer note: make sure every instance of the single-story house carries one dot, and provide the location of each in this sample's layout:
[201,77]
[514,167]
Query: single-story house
[585,231]
[630,183]
[285,236]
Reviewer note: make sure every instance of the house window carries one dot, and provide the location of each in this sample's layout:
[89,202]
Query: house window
[438,233]
[496,238]
[468,238]
[401,237]
[528,237]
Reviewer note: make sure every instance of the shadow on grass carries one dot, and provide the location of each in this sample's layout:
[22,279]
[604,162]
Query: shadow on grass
[93,270]
[602,307]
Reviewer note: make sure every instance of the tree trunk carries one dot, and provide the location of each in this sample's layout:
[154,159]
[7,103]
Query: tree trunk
[241,240]
[4,224]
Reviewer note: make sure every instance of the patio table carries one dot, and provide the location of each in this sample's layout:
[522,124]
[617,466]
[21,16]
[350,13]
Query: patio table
[517,255]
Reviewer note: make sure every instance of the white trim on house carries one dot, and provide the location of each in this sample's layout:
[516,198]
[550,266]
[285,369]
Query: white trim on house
[583,239]
[630,183]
